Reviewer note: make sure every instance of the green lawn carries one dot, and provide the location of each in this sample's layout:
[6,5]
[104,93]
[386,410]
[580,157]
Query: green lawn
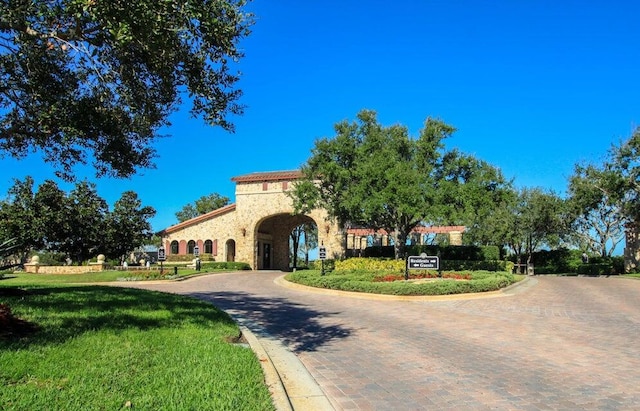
[108,348]
[21,279]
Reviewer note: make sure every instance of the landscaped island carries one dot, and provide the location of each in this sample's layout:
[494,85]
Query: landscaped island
[388,277]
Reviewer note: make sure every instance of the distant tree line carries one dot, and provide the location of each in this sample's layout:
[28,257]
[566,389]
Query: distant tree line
[379,177]
[79,224]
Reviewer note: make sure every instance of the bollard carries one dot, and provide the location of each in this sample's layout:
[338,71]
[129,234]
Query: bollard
[175,270]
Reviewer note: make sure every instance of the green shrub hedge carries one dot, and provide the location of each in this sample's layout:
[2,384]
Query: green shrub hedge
[329,265]
[375,264]
[225,265]
[365,282]
[188,257]
[447,252]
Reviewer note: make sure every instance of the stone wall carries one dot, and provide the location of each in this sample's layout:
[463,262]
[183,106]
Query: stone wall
[62,269]
[34,267]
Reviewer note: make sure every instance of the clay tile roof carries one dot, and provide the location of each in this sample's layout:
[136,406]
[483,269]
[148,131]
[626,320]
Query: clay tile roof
[200,218]
[286,175]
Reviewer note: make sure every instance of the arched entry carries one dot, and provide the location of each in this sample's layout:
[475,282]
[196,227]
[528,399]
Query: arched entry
[230,250]
[272,240]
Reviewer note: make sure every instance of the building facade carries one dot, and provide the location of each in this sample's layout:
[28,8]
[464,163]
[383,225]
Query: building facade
[255,229]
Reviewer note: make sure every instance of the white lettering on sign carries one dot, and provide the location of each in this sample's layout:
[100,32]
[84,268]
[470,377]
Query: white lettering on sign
[415,262]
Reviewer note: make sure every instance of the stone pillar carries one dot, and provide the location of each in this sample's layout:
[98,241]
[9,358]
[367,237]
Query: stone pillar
[455,238]
[632,248]
[101,263]
[33,265]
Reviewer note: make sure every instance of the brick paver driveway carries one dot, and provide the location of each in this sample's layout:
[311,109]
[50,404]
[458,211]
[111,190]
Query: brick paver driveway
[564,343]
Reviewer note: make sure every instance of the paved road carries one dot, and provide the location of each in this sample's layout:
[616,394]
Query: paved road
[564,343]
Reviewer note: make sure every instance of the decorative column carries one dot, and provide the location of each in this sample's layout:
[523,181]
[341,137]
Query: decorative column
[632,248]
[33,265]
[455,237]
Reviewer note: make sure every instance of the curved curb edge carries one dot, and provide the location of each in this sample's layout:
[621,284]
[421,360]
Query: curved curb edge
[271,377]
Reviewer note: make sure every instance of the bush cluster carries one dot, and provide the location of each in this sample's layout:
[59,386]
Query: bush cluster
[329,265]
[375,264]
[225,265]
[563,260]
[446,252]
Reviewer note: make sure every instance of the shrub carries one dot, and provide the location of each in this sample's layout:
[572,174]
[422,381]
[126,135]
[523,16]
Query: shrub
[376,264]
[225,265]
[458,252]
[329,265]
[370,264]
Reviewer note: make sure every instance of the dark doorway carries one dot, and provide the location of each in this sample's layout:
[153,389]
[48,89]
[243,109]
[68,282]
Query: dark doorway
[266,256]
[231,250]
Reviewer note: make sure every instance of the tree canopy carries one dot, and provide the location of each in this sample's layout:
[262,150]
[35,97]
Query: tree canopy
[86,78]
[78,225]
[201,206]
[379,177]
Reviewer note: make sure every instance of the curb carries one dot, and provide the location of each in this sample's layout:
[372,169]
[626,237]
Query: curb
[271,376]
[291,385]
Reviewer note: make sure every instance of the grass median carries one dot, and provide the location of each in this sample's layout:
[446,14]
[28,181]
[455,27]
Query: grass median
[109,348]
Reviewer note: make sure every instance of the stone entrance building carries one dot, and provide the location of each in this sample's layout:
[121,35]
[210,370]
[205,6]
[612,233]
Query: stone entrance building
[255,229]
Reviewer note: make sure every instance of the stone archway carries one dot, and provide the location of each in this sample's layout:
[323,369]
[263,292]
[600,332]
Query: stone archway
[272,240]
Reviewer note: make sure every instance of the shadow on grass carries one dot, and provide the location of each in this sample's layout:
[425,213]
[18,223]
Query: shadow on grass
[64,312]
[298,326]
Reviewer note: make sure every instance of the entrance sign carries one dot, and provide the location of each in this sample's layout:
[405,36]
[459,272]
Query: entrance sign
[423,263]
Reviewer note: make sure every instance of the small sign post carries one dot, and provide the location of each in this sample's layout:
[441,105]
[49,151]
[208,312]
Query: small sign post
[196,253]
[162,256]
[421,262]
[322,255]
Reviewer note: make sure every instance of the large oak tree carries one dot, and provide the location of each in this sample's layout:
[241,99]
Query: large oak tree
[83,79]
[380,177]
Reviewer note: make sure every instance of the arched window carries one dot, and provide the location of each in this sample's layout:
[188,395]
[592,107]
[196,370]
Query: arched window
[208,247]
[190,246]
[174,247]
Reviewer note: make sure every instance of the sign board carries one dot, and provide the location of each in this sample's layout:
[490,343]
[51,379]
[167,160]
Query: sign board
[322,253]
[162,255]
[423,262]
[196,251]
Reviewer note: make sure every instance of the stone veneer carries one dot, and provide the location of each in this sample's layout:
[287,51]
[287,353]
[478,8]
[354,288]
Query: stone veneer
[632,248]
[256,228]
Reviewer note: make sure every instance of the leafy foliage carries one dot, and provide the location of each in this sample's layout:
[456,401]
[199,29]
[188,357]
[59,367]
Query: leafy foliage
[379,177]
[201,206]
[596,200]
[103,76]
[78,225]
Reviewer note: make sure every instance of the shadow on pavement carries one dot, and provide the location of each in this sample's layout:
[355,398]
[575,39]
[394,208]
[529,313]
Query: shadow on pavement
[299,327]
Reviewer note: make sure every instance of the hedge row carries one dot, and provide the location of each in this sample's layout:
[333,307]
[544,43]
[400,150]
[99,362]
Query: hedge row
[365,283]
[375,264]
[446,252]
[225,265]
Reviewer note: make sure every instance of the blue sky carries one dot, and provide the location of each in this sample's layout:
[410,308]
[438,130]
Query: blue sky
[533,87]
